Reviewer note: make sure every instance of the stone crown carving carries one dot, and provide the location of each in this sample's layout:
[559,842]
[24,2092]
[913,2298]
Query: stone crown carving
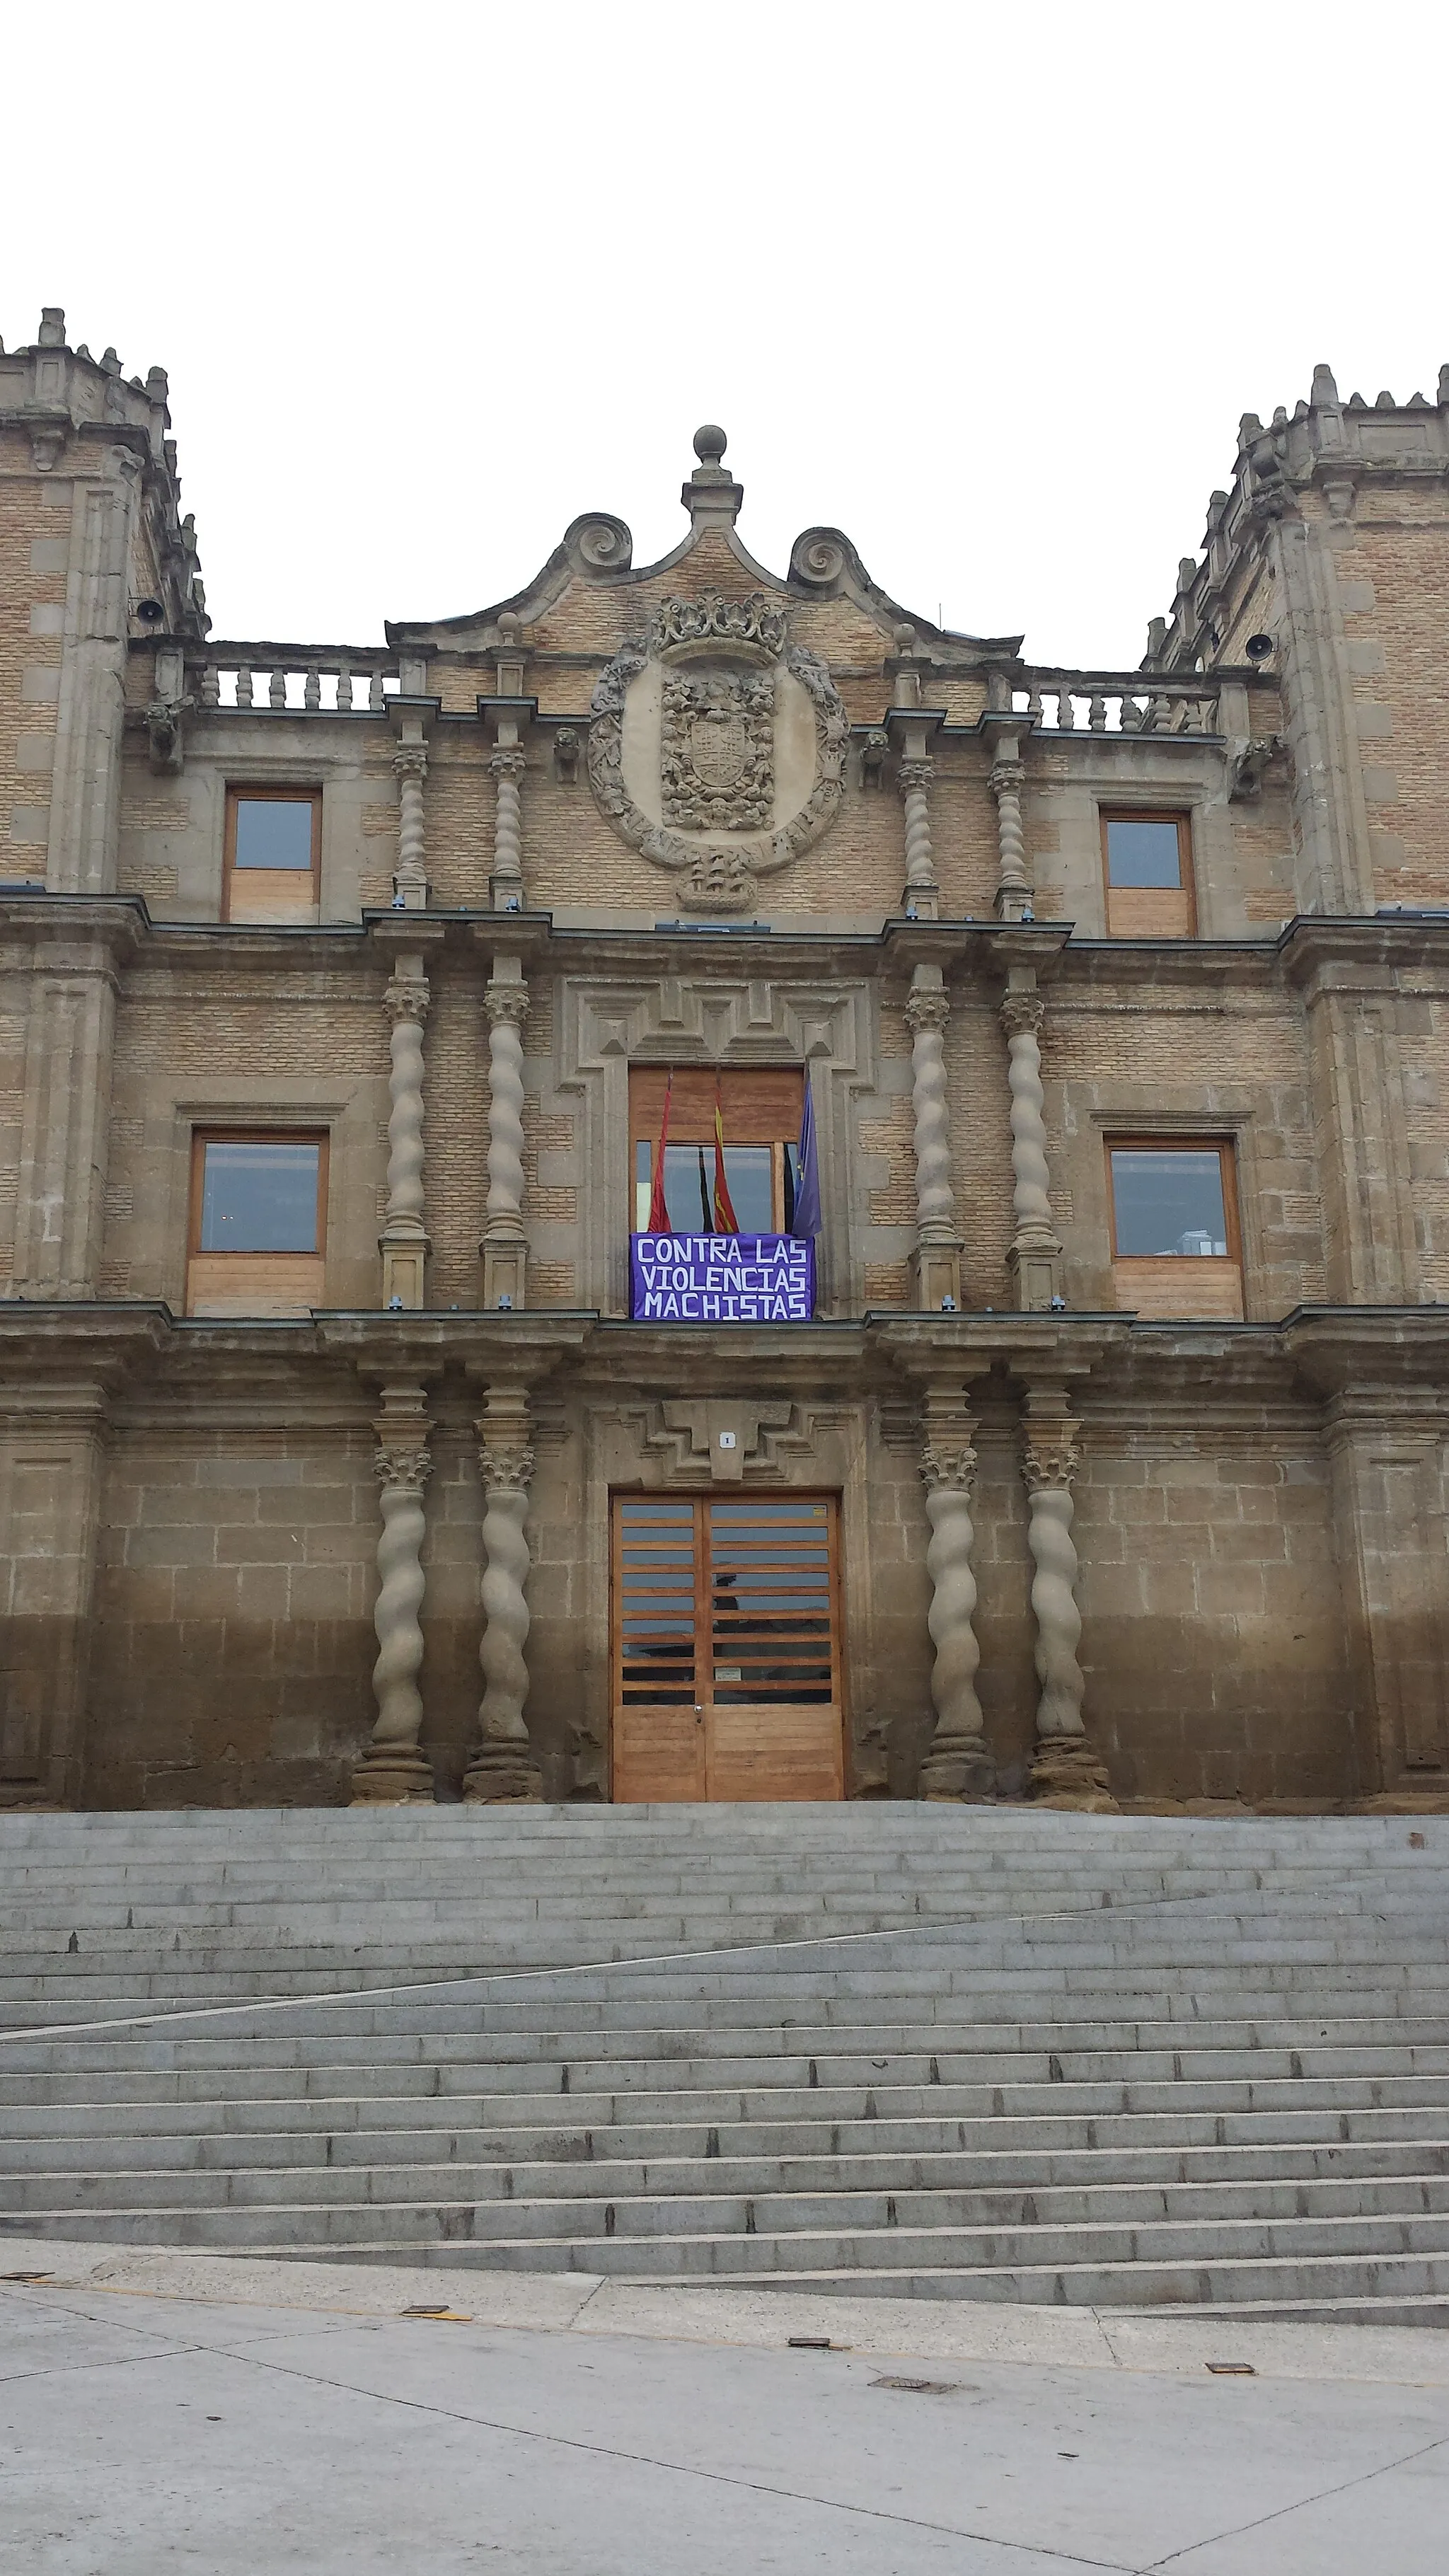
[717,745]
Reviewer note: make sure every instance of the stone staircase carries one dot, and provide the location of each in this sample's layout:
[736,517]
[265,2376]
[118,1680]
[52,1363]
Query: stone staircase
[946,2052]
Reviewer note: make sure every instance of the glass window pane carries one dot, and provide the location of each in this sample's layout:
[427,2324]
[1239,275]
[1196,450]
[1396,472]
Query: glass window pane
[689,1187]
[1143,854]
[259,1198]
[273,832]
[1168,1202]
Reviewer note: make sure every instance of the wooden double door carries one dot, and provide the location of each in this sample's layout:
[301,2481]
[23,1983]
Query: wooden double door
[726,1649]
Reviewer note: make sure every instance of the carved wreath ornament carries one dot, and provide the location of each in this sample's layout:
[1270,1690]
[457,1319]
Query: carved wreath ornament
[717,747]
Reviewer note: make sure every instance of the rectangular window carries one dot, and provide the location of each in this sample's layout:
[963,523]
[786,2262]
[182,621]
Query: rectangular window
[761,1127]
[273,853]
[1147,870]
[258,1224]
[1175,1244]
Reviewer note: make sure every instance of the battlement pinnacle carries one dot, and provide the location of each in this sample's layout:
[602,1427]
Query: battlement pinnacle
[711,496]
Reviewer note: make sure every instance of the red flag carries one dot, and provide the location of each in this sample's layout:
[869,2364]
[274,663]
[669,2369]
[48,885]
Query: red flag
[658,1208]
[725,1219]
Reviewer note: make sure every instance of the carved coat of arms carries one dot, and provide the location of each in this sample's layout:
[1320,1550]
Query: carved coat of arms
[717,745]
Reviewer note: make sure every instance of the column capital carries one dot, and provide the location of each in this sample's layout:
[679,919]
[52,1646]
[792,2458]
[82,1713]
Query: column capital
[506,1004]
[410,760]
[1022,1014]
[406,995]
[945,1468]
[914,776]
[507,760]
[927,1008]
[1050,1456]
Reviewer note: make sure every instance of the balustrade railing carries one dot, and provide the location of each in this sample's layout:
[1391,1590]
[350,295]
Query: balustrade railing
[294,679]
[1118,701]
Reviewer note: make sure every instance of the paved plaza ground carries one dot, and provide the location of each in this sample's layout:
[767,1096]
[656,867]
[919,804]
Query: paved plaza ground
[234,2418]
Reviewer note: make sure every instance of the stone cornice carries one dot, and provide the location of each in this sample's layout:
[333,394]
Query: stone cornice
[1313,951]
[76,1363]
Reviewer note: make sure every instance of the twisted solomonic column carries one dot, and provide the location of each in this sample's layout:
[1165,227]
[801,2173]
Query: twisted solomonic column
[506,763]
[392,1771]
[1013,883]
[410,760]
[938,1252]
[505,1249]
[1035,1258]
[504,1765]
[1065,1769]
[403,1242]
[958,1765]
[914,781]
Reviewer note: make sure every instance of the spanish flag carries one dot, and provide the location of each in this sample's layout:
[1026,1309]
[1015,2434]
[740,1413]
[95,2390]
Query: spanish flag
[725,1219]
[658,1205]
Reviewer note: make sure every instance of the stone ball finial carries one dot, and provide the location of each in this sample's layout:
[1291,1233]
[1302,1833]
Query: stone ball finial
[510,627]
[710,444]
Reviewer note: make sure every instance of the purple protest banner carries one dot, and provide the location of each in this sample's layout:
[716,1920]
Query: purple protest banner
[721,1279]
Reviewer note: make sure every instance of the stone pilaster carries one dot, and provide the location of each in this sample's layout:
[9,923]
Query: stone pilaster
[1065,1769]
[1390,1523]
[403,1242]
[1035,1257]
[957,1766]
[505,1245]
[392,1771]
[85,785]
[53,1452]
[504,1768]
[938,1245]
[65,1128]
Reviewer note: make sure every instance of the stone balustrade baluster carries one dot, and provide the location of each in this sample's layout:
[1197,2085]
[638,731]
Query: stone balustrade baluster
[506,763]
[505,1246]
[404,1241]
[504,1767]
[914,780]
[957,1764]
[1066,1770]
[410,882]
[1035,1257]
[393,1770]
[1013,881]
[938,1245]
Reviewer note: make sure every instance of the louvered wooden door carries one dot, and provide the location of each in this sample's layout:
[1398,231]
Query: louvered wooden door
[726,1649]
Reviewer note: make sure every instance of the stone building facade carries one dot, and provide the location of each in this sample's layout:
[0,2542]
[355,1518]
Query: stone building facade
[339,993]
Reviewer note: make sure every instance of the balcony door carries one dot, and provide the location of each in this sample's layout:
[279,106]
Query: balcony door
[726,1649]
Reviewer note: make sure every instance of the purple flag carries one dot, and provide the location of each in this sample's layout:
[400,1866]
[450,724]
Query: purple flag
[806,1220]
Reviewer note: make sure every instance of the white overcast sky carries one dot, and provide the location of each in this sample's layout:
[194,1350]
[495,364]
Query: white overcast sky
[986,286]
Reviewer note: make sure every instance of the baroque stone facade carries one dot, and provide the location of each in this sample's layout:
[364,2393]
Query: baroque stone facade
[1115,1521]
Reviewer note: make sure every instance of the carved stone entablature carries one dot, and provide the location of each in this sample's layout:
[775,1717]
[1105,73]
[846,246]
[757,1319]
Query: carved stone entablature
[717,746]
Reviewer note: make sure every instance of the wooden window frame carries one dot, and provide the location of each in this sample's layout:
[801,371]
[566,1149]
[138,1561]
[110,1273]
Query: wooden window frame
[1175,1143]
[1186,885]
[244,792]
[641,1133]
[201,1137]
